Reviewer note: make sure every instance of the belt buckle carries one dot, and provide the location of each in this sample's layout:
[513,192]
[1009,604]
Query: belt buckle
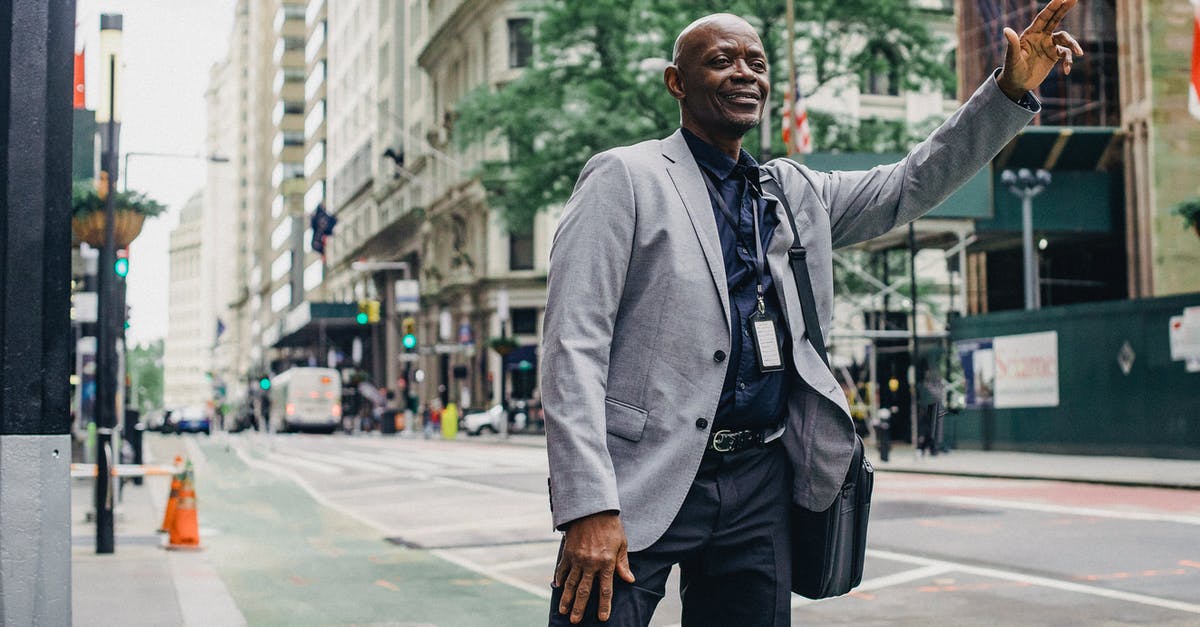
[723,436]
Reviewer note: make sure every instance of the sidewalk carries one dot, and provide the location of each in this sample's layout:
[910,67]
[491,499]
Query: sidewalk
[140,583]
[1131,471]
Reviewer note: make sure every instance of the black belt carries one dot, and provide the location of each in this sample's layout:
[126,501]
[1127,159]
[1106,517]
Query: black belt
[726,441]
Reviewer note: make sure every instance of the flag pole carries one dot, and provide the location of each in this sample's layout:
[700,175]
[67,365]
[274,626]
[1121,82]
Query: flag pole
[790,97]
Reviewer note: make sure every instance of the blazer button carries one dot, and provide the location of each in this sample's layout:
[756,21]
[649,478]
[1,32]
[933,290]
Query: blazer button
[701,423]
[719,356]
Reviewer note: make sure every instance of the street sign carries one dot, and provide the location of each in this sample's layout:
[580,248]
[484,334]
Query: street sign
[1026,370]
[86,305]
[1184,333]
[408,296]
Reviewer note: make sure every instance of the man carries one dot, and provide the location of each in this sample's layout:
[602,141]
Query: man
[673,439]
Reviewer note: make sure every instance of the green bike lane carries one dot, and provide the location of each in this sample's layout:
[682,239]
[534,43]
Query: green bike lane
[286,559]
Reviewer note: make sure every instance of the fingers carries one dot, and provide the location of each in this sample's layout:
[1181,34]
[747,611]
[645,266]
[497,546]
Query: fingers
[623,569]
[1014,46]
[582,592]
[606,592]
[568,591]
[1051,16]
[1044,16]
[560,571]
[1063,38]
[1067,58]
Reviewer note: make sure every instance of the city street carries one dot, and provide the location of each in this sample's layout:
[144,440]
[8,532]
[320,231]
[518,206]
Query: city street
[313,529]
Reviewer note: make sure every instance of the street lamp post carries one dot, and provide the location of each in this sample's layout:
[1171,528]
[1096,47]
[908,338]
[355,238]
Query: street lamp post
[502,313]
[109,118]
[1026,185]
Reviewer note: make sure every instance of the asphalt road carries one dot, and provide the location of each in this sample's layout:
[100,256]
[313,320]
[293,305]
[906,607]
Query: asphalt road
[369,529]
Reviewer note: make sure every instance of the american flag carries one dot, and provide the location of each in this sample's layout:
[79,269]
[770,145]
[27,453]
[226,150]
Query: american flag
[797,135]
[1194,87]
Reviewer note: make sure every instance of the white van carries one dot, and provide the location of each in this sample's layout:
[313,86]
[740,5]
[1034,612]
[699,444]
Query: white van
[306,398]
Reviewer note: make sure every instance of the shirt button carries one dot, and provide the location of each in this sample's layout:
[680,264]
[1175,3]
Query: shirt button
[701,423]
[743,250]
[719,356]
[741,385]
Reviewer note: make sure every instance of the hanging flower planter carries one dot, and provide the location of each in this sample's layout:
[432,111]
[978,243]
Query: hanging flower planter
[90,227]
[503,345]
[88,216]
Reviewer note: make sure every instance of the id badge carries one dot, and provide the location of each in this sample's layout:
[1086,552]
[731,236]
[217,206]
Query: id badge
[766,342]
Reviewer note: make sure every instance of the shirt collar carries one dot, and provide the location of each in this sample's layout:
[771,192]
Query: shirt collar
[717,163]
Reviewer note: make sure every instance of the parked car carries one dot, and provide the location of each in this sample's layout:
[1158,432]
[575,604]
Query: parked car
[192,419]
[477,422]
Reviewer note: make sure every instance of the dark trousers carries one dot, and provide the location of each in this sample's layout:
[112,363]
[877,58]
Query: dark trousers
[731,541]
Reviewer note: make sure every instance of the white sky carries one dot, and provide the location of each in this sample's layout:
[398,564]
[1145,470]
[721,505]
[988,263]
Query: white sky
[168,48]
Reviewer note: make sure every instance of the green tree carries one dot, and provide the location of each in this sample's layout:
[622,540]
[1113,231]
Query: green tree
[596,81]
[145,367]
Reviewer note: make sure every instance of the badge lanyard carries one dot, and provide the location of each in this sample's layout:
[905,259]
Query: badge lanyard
[762,324]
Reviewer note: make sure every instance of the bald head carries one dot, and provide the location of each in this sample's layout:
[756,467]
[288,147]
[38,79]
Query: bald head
[692,33]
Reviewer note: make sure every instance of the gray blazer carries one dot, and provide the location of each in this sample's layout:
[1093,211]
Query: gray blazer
[638,305]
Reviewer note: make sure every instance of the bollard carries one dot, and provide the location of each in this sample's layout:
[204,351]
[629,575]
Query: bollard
[450,421]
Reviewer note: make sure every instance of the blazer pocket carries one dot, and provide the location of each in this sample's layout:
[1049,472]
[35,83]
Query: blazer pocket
[624,420]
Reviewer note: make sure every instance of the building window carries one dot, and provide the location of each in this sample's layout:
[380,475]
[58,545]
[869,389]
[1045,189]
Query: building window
[883,73]
[520,42]
[524,321]
[520,251]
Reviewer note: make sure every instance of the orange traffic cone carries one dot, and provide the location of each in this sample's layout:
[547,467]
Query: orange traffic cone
[172,502]
[185,528]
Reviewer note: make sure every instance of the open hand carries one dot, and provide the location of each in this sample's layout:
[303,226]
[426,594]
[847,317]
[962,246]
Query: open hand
[594,548]
[1032,54]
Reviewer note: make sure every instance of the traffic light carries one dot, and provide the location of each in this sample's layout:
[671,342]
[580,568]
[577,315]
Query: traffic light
[410,334]
[372,311]
[121,266]
[264,383]
[363,317]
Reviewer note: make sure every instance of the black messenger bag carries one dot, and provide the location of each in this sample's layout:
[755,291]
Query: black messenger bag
[828,547]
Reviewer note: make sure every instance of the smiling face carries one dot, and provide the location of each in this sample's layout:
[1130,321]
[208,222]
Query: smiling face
[720,78]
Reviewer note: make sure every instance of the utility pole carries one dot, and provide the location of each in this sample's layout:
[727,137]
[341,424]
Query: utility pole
[36,43]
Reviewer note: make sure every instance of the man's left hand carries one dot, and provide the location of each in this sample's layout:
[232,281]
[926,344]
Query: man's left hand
[1032,54]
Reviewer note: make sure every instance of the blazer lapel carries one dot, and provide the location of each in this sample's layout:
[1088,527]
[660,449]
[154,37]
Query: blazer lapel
[685,174]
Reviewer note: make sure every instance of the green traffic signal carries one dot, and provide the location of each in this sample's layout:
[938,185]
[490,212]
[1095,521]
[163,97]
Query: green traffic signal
[409,341]
[121,267]
[264,383]
[361,318]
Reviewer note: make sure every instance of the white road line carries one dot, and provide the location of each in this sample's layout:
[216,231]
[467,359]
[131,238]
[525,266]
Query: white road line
[538,591]
[483,487]
[401,463]
[1045,582]
[888,581]
[539,520]
[1073,511]
[318,467]
[348,460]
[533,561]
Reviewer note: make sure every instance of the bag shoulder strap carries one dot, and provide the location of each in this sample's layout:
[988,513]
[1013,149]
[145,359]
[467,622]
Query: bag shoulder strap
[798,259]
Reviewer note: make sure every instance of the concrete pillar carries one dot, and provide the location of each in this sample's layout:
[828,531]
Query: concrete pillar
[36,44]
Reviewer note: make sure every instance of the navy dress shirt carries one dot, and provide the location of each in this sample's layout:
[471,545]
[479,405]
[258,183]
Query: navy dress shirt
[750,398]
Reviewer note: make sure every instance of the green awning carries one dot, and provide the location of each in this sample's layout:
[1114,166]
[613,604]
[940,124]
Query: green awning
[972,201]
